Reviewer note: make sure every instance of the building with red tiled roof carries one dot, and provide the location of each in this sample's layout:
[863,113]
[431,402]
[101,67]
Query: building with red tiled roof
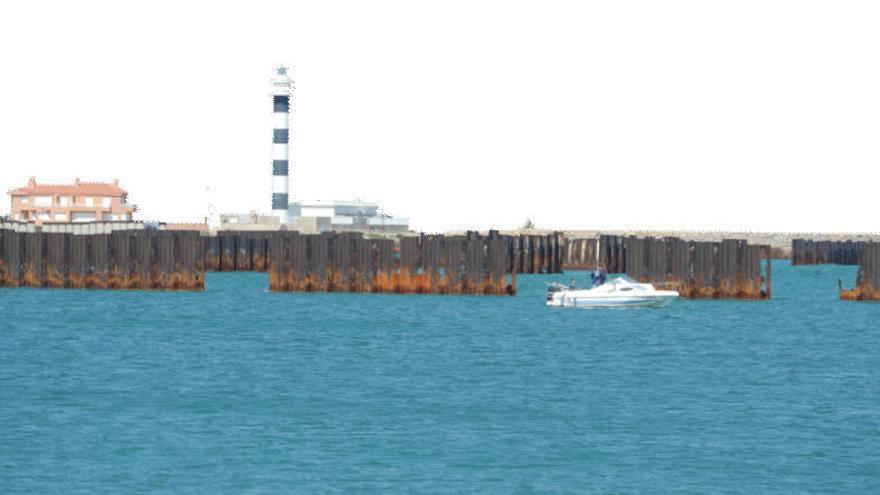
[64,203]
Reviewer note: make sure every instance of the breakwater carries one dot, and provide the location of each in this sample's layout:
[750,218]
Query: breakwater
[534,253]
[79,257]
[238,251]
[134,257]
[580,254]
[780,242]
[730,269]
[428,264]
[810,252]
[868,278]
[231,251]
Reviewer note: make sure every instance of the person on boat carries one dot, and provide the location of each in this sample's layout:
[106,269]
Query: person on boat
[598,276]
[572,285]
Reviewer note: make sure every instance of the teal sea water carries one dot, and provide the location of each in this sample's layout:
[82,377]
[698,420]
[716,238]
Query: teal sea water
[237,390]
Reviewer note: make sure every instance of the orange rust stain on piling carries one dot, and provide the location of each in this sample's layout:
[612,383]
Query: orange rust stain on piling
[744,292]
[228,264]
[333,281]
[273,281]
[444,286]
[212,262]
[404,283]
[76,281]
[153,277]
[468,285]
[31,278]
[423,283]
[135,280]
[352,285]
[382,282]
[860,294]
[309,283]
[6,279]
[55,280]
[496,287]
[178,280]
[115,280]
[291,283]
[185,280]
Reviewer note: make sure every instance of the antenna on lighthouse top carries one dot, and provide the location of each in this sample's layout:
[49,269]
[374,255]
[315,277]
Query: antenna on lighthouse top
[281,83]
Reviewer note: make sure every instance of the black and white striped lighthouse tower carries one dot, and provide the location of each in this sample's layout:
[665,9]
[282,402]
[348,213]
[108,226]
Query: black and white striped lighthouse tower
[282,87]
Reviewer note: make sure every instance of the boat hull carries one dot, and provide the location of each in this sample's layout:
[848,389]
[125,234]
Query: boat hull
[641,301]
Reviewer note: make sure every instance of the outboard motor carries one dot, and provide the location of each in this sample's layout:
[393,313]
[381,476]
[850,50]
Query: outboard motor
[552,289]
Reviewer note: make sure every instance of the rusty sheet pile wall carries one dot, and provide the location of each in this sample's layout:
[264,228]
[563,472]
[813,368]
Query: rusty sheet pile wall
[248,251]
[730,269]
[807,252]
[536,253]
[122,259]
[868,278]
[237,252]
[580,254]
[348,262]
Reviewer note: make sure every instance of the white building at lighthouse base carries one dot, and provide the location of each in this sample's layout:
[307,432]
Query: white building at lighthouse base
[315,217]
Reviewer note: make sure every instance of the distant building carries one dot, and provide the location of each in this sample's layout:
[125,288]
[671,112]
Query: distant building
[249,221]
[65,203]
[321,216]
[341,216]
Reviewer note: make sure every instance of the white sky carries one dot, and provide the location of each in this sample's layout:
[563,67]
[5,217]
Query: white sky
[759,115]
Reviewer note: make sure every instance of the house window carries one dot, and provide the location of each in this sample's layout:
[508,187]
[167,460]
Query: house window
[64,201]
[106,202]
[90,201]
[43,200]
[25,200]
[83,216]
[44,215]
[60,216]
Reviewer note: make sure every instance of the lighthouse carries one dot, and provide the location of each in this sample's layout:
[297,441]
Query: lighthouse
[282,87]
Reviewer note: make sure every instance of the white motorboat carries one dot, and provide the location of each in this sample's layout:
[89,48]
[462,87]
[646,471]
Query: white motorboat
[617,292]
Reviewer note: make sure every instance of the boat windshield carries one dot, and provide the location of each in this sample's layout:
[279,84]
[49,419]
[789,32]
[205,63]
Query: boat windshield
[620,277]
